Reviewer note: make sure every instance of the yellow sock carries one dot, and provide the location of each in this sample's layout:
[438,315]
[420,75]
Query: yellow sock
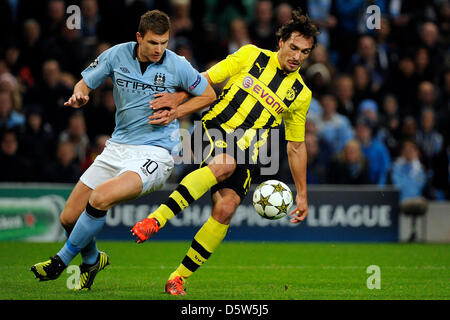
[192,187]
[205,242]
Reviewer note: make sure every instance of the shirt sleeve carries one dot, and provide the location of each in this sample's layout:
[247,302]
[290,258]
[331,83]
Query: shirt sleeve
[190,79]
[232,64]
[98,70]
[295,120]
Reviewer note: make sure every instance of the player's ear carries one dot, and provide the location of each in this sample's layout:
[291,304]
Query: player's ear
[138,37]
[280,43]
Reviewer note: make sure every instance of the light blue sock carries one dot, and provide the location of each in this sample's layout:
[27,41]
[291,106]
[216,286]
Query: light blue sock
[84,232]
[89,253]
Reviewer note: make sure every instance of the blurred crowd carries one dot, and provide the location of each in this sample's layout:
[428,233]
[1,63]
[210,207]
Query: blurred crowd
[380,111]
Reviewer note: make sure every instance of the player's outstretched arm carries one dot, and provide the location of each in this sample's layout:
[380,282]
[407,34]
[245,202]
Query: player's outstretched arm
[80,95]
[164,117]
[297,163]
[167,100]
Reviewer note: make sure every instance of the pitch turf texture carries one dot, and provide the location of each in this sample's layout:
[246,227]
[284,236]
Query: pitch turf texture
[241,271]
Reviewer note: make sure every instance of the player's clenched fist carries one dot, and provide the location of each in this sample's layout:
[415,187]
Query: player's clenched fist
[77,100]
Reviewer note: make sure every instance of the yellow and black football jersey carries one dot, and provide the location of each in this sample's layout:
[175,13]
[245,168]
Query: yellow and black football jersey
[257,97]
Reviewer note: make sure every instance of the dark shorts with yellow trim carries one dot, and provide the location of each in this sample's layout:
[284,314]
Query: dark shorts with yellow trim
[212,144]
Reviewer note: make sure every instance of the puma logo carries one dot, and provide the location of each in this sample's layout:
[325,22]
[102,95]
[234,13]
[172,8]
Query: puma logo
[259,67]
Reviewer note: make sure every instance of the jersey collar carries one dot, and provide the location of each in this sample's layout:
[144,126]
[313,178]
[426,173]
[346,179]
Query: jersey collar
[135,49]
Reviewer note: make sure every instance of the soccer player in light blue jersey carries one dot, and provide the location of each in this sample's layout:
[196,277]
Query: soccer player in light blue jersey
[137,158]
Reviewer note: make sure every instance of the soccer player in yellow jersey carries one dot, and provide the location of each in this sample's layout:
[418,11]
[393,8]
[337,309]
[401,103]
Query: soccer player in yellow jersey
[264,87]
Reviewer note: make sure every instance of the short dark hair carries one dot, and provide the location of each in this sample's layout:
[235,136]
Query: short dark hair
[155,21]
[411,142]
[299,23]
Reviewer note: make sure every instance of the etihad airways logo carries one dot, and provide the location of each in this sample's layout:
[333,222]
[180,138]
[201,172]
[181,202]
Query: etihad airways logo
[135,85]
[263,95]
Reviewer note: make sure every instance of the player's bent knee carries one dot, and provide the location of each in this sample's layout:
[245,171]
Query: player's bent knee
[67,222]
[99,200]
[225,208]
[223,171]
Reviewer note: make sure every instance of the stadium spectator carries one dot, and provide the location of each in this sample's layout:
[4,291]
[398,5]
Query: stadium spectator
[9,118]
[386,48]
[408,128]
[423,67]
[362,84]
[368,109]
[319,72]
[403,83]
[94,151]
[405,16]
[318,78]
[15,167]
[105,110]
[317,161]
[184,48]
[320,13]
[430,39]
[66,168]
[311,124]
[12,15]
[389,130]
[351,16]
[11,57]
[408,176]
[262,30]
[334,128]
[344,90]
[68,48]
[224,12]
[181,22]
[350,166]
[320,55]
[375,152]
[10,84]
[367,56]
[428,139]
[434,156]
[51,94]
[55,19]
[283,13]
[315,110]
[31,53]
[91,22]
[426,98]
[76,134]
[37,142]
[238,36]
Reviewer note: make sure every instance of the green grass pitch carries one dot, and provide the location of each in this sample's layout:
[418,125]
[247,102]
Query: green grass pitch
[241,271]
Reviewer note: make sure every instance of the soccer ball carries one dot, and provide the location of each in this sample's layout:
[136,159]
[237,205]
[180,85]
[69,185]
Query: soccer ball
[272,199]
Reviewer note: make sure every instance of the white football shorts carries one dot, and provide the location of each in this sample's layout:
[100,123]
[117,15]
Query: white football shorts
[153,164]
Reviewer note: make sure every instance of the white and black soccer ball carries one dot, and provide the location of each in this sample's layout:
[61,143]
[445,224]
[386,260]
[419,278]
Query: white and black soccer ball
[272,199]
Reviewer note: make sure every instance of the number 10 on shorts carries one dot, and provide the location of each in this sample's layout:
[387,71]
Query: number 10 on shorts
[149,167]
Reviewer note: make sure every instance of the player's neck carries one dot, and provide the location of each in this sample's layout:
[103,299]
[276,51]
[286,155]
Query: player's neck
[141,58]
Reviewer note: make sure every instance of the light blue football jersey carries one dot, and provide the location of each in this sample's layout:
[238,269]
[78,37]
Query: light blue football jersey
[133,91]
